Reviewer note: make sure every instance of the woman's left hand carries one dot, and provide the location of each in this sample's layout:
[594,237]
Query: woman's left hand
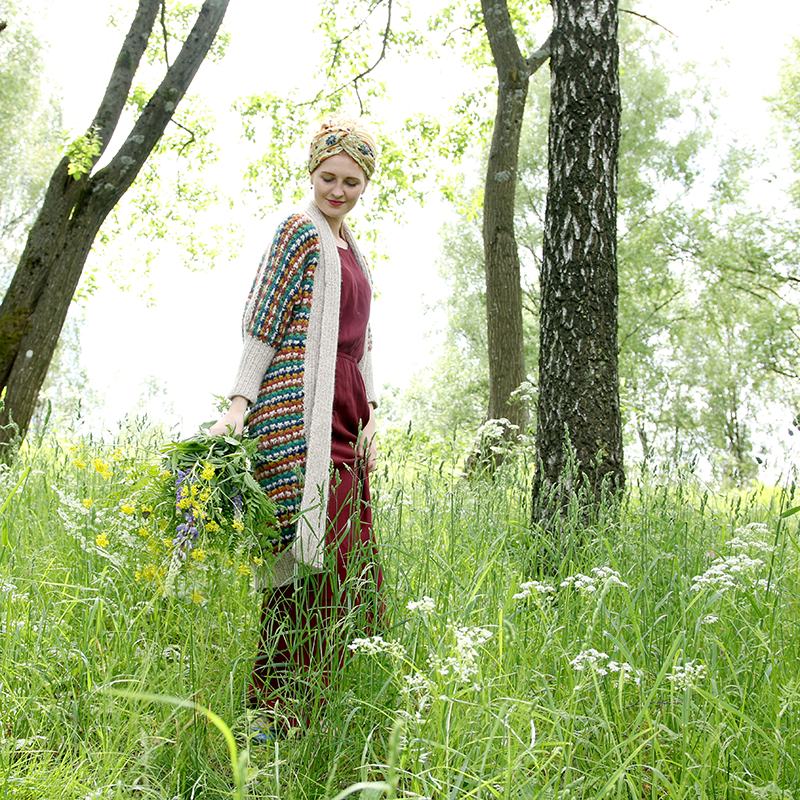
[367,448]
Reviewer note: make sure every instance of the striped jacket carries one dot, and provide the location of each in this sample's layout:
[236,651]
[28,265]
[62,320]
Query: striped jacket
[290,329]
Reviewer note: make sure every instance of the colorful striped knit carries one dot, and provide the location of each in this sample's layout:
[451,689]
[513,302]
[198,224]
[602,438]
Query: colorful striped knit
[286,373]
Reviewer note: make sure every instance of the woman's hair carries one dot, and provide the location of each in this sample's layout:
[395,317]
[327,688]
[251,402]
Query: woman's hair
[343,135]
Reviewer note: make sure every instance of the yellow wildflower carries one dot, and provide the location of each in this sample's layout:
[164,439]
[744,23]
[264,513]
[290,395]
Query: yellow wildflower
[137,576]
[237,525]
[258,560]
[146,511]
[143,531]
[79,463]
[127,508]
[243,569]
[197,597]
[199,554]
[102,539]
[204,495]
[117,455]
[208,471]
[88,502]
[212,526]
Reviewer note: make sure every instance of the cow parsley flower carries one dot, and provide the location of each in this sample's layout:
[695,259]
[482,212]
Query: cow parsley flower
[462,664]
[688,676]
[601,664]
[727,573]
[600,577]
[376,645]
[425,606]
[533,588]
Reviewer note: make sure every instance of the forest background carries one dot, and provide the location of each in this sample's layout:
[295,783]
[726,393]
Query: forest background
[713,162]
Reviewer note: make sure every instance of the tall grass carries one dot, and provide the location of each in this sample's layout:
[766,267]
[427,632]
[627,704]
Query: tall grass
[512,666]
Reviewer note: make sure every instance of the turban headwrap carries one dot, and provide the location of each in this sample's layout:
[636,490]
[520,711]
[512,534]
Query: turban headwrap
[343,136]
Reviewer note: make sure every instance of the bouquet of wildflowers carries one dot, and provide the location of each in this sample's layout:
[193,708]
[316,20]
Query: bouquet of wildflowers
[207,491]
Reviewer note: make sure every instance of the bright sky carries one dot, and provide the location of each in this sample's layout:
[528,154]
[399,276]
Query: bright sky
[189,342]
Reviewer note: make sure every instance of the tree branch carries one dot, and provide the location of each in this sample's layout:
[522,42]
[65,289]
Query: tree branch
[116,94]
[535,60]
[645,17]
[113,181]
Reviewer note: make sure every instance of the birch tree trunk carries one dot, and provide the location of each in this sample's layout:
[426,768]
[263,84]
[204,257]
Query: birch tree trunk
[578,404]
[36,303]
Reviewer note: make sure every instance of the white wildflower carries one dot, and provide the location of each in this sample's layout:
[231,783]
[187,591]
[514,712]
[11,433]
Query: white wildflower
[417,688]
[687,676]
[601,664]
[425,606]
[590,658]
[600,577]
[709,619]
[463,663]
[751,537]
[376,645]
[726,573]
[533,588]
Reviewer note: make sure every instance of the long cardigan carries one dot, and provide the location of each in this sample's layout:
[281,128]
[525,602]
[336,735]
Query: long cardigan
[287,369]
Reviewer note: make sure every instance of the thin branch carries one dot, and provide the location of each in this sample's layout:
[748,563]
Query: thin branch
[462,28]
[384,47]
[645,17]
[192,138]
[535,60]
[648,318]
[164,31]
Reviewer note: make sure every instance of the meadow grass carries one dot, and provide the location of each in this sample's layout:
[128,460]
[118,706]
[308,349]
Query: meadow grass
[651,654]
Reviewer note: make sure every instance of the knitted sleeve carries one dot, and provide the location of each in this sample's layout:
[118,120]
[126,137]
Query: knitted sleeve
[272,298]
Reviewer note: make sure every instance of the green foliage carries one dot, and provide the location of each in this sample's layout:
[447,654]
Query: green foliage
[82,153]
[708,310]
[786,108]
[30,135]
[651,654]
[206,493]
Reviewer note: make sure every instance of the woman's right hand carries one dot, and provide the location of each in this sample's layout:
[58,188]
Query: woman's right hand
[231,423]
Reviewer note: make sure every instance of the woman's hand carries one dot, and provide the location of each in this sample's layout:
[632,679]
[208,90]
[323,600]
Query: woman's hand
[367,448]
[231,423]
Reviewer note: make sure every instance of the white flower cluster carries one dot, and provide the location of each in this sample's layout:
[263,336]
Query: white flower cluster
[533,588]
[600,577]
[376,645]
[417,688]
[463,664]
[687,676]
[751,537]
[728,572]
[425,606]
[602,665]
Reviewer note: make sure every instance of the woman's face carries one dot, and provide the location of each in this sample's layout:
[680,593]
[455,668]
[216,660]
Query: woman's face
[338,182]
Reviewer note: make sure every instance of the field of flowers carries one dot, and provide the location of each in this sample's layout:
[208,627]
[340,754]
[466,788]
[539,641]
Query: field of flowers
[652,654]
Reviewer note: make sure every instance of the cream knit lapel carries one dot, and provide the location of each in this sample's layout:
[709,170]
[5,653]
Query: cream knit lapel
[319,376]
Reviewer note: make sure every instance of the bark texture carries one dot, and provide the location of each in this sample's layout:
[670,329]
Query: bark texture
[578,405]
[506,345]
[37,301]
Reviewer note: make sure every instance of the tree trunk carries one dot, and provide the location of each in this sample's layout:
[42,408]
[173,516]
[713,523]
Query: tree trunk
[578,404]
[37,301]
[506,345]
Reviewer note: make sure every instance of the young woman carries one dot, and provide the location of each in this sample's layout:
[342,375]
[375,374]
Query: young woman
[304,389]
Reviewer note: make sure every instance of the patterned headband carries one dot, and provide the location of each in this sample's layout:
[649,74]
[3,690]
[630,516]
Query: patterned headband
[343,136]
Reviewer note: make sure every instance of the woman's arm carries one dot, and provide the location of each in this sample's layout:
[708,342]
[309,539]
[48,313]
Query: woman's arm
[232,422]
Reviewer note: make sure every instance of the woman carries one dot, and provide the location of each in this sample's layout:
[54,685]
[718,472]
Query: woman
[304,389]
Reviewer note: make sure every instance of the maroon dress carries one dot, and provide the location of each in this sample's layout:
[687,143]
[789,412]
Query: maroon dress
[306,624]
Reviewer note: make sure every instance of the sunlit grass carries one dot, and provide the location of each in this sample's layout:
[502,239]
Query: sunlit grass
[653,654]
